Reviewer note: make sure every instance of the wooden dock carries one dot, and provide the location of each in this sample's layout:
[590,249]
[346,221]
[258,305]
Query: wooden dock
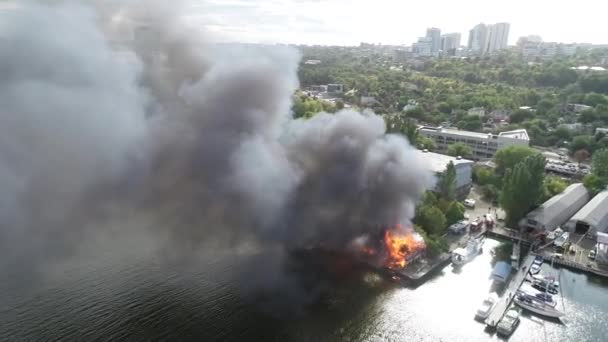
[504,302]
[577,266]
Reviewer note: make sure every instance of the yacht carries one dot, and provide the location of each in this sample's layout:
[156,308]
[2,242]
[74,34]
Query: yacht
[537,306]
[463,255]
[536,265]
[486,307]
[508,323]
[538,294]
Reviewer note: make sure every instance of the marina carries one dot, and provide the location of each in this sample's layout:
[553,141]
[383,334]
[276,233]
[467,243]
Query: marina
[511,289]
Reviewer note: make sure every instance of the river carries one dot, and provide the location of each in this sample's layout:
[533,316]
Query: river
[140,299]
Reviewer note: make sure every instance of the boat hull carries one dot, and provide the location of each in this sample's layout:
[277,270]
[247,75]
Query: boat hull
[545,310]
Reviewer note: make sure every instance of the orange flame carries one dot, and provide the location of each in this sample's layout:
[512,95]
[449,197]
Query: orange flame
[400,246]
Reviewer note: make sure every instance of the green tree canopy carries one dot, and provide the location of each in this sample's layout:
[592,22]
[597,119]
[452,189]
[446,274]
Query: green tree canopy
[454,213]
[553,186]
[523,188]
[432,220]
[593,184]
[582,142]
[599,164]
[459,149]
[509,156]
[447,183]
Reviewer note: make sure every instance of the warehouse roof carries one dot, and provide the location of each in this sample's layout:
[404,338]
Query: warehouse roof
[439,162]
[561,207]
[595,213]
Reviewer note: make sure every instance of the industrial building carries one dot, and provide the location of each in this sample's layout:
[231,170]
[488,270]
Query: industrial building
[483,145]
[438,163]
[557,210]
[593,217]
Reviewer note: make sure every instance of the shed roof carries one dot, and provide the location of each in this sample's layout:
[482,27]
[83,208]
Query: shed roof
[501,271]
[558,209]
[595,213]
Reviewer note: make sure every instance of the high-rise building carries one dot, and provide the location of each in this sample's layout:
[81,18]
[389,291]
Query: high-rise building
[498,37]
[478,38]
[423,47]
[449,43]
[435,35]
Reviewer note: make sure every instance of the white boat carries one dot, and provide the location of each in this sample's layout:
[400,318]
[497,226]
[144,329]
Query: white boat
[538,294]
[537,306]
[536,265]
[486,307]
[463,255]
[508,323]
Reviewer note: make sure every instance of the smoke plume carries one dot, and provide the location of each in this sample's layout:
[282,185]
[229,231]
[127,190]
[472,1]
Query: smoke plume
[118,117]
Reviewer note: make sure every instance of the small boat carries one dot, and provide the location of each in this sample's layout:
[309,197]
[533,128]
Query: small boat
[509,322]
[537,306]
[545,284]
[486,307]
[536,265]
[474,246]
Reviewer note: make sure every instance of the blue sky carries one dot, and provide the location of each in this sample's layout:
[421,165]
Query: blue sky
[348,22]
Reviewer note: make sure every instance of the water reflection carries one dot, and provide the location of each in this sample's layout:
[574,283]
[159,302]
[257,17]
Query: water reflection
[144,301]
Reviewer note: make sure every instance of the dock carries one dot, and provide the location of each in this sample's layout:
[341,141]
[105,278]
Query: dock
[504,302]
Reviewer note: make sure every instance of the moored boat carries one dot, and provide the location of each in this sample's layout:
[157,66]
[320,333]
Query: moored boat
[508,323]
[537,306]
[474,246]
[486,307]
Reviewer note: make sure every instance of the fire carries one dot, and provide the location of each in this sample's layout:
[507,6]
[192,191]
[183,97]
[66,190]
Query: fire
[399,247]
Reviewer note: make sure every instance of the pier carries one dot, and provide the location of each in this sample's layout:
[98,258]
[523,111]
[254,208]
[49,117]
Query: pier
[504,302]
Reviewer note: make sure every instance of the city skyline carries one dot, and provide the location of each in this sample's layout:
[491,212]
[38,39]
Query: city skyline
[391,22]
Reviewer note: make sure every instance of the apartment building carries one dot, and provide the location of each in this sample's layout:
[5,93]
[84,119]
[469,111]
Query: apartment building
[483,146]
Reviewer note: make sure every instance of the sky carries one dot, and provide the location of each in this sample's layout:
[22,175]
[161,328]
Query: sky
[399,22]
[395,22]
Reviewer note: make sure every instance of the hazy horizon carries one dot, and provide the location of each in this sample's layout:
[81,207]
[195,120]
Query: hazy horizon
[394,22]
[391,22]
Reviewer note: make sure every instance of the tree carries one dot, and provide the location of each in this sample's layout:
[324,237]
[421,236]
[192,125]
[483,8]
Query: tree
[483,175]
[508,157]
[447,183]
[580,156]
[594,99]
[490,192]
[594,184]
[520,115]
[459,149]
[599,164]
[432,220]
[425,143]
[553,186]
[454,213]
[582,142]
[523,188]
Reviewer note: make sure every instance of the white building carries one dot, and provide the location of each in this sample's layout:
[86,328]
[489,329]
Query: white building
[478,38]
[438,163]
[483,146]
[593,217]
[423,47]
[601,130]
[477,111]
[498,37]
[434,34]
[450,42]
[558,209]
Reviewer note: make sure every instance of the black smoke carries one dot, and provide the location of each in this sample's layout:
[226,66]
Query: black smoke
[116,118]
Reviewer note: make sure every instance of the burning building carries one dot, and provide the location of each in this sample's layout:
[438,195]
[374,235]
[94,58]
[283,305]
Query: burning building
[197,148]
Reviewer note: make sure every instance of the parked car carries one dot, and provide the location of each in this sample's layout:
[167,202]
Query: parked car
[469,203]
